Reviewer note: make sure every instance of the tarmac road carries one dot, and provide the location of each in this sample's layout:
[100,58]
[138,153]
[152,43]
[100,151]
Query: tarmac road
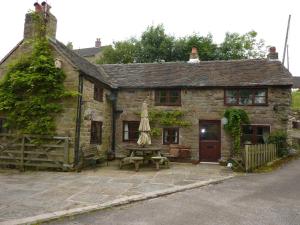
[256,199]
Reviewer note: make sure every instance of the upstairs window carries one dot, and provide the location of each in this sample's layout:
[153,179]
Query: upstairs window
[131,131]
[171,97]
[170,136]
[98,93]
[246,96]
[96,132]
[255,134]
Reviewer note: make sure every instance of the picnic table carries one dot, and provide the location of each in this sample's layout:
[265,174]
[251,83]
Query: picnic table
[138,155]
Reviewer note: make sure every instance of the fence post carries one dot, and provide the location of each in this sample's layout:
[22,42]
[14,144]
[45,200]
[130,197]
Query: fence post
[247,157]
[22,153]
[66,151]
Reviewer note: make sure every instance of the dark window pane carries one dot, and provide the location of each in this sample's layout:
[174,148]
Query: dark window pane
[131,130]
[98,93]
[96,132]
[209,132]
[245,97]
[170,136]
[167,97]
[231,97]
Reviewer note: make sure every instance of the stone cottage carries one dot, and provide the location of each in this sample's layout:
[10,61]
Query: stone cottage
[106,113]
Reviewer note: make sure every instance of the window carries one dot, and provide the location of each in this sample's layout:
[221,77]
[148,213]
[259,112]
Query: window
[255,134]
[2,128]
[246,96]
[168,97]
[98,93]
[96,132]
[131,130]
[170,136]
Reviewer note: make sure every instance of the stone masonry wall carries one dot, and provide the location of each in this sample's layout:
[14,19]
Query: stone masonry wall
[97,111]
[202,104]
[66,120]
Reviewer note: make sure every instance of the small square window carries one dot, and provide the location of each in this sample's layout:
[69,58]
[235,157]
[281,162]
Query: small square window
[131,131]
[96,132]
[168,97]
[98,93]
[170,136]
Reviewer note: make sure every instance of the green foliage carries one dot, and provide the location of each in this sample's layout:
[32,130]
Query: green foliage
[296,100]
[155,45]
[235,117]
[236,46]
[31,91]
[279,138]
[166,118]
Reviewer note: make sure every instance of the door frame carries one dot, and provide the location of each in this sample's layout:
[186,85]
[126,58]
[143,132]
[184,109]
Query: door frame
[219,134]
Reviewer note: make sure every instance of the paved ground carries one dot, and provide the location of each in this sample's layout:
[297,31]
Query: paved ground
[33,193]
[258,199]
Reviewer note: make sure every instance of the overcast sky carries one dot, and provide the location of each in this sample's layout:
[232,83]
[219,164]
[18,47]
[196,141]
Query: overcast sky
[81,22]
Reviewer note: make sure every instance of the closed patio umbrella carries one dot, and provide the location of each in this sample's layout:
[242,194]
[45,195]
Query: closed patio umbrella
[144,128]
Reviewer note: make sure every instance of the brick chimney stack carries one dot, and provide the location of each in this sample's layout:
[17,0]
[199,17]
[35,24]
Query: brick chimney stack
[30,29]
[98,43]
[194,57]
[272,55]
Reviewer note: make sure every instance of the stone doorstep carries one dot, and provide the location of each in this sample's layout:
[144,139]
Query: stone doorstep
[47,217]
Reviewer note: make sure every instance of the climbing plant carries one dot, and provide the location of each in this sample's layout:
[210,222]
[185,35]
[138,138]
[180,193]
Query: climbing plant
[166,118]
[235,118]
[32,89]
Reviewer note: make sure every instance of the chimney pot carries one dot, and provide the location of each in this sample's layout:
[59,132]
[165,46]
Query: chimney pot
[273,55]
[98,43]
[194,57]
[38,7]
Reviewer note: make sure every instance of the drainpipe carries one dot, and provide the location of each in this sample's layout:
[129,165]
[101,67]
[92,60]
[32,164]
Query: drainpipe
[113,98]
[78,119]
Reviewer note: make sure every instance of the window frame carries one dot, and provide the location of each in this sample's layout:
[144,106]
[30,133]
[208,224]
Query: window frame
[130,130]
[94,137]
[176,129]
[98,92]
[238,96]
[168,97]
[255,135]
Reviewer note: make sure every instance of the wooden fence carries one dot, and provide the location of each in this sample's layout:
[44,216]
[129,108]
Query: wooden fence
[34,151]
[258,155]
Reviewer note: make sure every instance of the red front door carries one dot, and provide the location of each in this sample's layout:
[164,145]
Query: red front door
[209,140]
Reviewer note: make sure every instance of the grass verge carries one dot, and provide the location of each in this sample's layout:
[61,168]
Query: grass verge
[276,164]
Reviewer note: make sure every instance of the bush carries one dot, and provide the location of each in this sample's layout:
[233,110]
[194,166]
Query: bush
[280,139]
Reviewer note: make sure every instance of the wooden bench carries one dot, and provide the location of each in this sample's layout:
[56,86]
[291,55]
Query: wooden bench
[136,160]
[160,160]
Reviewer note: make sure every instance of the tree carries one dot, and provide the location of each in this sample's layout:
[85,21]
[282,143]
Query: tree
[236,46]
[155,45]
[122,52]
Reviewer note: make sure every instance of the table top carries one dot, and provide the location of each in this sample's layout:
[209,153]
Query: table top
[143,149]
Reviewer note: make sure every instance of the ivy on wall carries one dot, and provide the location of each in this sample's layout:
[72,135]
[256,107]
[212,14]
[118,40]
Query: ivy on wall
[32,89]
[235,118]
[166,118]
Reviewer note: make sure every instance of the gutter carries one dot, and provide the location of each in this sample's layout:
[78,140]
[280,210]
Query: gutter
[78,120]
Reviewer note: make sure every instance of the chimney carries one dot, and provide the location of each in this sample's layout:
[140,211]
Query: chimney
[272,55]
[98,43]
[31,30]
[194,57]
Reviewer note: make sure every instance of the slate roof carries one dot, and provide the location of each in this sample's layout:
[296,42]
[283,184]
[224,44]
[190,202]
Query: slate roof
[87,52]
[204,74]
[296,82]
[82,64]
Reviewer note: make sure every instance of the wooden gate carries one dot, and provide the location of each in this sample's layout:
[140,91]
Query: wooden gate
[34,151]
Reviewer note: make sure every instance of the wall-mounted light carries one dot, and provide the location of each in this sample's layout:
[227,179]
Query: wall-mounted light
[58,63]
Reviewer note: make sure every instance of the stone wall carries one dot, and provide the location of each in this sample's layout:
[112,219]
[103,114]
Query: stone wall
[202,104]
[66,120]
[97,111]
